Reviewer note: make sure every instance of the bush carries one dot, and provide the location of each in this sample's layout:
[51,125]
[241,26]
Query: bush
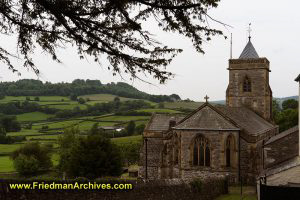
[130,128]
[26,165]
[45,127]
[81,101]
[91,157]
[31,158]
[36,98]
[27,98]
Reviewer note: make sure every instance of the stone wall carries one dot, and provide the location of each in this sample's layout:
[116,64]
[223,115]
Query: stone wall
[162,189]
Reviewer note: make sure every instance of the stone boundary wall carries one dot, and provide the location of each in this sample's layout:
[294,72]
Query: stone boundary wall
[158,189]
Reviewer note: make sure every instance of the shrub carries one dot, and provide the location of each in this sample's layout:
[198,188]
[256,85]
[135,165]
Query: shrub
[81,100]
[37,98]
[45,127]
[92,157]
[27,98]
[31,158]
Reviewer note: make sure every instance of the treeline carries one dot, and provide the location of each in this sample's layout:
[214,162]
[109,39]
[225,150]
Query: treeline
[287,116]
[30,87]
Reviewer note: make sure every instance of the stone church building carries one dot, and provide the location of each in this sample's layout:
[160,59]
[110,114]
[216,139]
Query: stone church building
[215,140]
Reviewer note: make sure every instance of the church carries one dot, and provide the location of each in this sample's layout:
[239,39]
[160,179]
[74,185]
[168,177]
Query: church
[215,140]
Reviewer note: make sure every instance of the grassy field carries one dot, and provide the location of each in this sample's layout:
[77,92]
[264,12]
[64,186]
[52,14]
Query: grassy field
[249,193]
[182,104]
[158,110]
[126,140]
[42,98]
[6,164]
[33,116]
[100,98]
[124,118]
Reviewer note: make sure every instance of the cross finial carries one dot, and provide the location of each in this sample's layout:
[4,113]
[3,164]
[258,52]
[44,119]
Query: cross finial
[206,98]
[249,31]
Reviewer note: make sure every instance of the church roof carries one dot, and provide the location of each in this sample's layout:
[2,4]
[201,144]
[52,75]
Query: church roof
[206,117]
[298,78]
[160,122]
[249,51]
[283,134]
[247,119]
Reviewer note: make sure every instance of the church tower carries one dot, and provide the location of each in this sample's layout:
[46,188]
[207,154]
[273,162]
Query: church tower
[249,82]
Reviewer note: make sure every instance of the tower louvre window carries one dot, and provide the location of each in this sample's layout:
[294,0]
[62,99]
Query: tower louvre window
[247,85]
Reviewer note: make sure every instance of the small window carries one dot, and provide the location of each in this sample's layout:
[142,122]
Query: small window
[247,85]
[201,152]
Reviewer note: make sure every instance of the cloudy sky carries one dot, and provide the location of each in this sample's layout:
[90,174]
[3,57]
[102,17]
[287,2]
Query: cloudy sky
[275,35]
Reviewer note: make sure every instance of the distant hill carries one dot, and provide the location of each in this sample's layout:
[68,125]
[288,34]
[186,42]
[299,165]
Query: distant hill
[279,99]
[78,87]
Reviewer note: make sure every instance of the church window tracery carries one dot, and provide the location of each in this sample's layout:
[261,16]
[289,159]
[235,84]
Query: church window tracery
[247,85]
[201,152]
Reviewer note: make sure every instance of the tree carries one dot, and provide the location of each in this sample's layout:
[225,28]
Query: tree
[130,128]
[290,103]
[140,129]
[92,157]
[161,105]
[37,98]
[31,158]
[81,100]
[110,27]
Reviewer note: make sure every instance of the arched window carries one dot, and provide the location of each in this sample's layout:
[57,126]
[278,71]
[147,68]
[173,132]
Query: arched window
[201,152]
[229,151]
[247,85]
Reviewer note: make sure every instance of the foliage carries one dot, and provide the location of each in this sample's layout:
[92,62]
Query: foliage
[140,129]
[161,105]
[110,28]
[287,119]
[78,87]
[31,157]
[66,142]
[9,123]
[81,101]
[93,156]
[36,98]
[290,104]
[288,116]
[130,153]
[130,128]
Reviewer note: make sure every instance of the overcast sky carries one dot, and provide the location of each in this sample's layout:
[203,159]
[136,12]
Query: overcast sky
[275,35]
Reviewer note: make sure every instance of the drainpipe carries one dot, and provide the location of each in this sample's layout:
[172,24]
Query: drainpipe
[146,145]
[298,80]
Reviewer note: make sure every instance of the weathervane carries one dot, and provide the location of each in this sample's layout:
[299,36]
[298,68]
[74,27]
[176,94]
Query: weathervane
[206,98]
[249,31]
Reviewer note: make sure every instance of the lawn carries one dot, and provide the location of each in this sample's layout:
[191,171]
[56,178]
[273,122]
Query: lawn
[182,104]
[124,118]
[8,148]
[159,110]
[126,140]
[249,193]
[42,98]
[6,164]
[33,116]
[24,132]
[101,98]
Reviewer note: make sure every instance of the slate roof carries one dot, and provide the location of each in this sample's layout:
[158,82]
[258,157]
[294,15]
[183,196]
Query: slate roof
[160,122]
[249,52]
[283,134]
[247,119]
[298,78]
[208,118]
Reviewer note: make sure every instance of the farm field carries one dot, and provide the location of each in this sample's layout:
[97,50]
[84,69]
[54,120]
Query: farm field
[158,110]
[47,131]
[182,104]
[33,116]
